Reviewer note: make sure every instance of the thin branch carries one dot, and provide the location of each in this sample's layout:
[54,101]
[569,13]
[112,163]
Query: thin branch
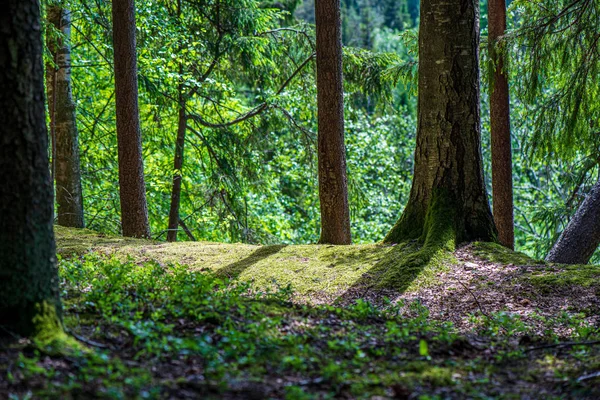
[301,32]
[476,300]
[565,344]
[187,230]
[589,376]
[256,110]
[87,341]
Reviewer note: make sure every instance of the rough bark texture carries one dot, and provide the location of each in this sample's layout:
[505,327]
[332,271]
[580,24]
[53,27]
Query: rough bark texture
[333,185]
[67,172]
[448,200]
[29,299]
[177,165]
[502,186]
[581,237]
[174,219]
[134,210]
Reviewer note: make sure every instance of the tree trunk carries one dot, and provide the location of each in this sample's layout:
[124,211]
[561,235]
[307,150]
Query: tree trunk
[174,219]
[29,302]
[448,200]
[67,172]
[502,187]
[581,238]
[134,210]
[333,185]
[177,166]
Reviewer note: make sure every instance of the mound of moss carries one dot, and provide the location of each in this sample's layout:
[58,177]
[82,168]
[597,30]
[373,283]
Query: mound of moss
[308,268]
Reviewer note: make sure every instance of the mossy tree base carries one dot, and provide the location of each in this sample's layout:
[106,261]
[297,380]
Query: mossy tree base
[448,202]
[442,225]
[42,323]
[50,336]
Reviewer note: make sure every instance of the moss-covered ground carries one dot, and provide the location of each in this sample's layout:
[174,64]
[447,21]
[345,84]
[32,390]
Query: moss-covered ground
[210,320]
[309,269]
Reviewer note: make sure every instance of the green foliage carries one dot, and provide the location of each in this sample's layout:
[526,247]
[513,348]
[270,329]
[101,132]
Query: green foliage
[554,164]
[241,330]
[254,180]
[552,53]
[558,47]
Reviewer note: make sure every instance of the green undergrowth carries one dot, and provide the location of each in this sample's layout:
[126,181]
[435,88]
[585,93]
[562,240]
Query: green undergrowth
[167,331]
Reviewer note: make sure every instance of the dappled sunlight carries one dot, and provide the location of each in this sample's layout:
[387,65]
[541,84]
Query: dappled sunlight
[336,272]
[452,286]
[178,331]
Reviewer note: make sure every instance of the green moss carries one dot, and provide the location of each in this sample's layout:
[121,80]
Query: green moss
[310,269]
[423,372]
[409,226]
[72,241]
[497,253]
[410,267]
[438,376]
[551,277]
[439,230]
[50,336]
[438,225]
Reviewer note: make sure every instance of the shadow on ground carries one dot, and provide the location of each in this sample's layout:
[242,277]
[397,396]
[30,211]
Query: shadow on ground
[404,266]
[233,270]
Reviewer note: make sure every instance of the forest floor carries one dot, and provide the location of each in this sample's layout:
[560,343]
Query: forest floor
[213,320]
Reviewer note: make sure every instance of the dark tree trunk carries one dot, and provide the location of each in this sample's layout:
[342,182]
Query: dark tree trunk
[174,219]
[333,185]
[134,210]
[581,238]
[177,165]
[67,172]
[29,302]
[448,200]
[502,187]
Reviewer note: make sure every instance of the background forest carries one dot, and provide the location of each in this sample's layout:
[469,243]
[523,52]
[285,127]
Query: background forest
[253,178]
